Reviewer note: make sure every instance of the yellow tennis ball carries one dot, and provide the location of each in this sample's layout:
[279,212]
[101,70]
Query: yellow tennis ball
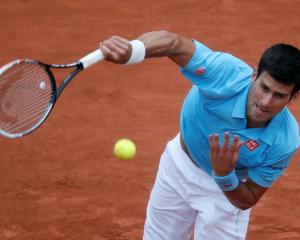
[124,149]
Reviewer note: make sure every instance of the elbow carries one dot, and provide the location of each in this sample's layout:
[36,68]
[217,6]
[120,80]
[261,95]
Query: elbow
[244,206]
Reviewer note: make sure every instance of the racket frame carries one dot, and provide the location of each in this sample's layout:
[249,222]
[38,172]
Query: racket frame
[83,63]
[55,91]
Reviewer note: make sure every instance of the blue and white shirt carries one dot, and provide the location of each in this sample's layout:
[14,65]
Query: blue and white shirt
[217,104]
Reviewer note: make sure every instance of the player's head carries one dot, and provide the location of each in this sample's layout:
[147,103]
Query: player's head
[282,62]
[275,84]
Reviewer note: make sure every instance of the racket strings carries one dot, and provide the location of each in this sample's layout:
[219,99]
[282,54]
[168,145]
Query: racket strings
[25,95]
[22,119]
[26,92]
[19,125]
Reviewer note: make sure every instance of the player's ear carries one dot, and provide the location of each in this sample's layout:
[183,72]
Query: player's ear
[294,97]
[254,74]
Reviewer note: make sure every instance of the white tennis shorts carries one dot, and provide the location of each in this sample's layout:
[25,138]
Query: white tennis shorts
[185,202]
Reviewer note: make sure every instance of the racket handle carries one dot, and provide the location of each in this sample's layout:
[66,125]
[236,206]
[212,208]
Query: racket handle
[92,58]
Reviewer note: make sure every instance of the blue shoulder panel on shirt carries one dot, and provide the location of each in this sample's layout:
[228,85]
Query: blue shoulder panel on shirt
[217,74]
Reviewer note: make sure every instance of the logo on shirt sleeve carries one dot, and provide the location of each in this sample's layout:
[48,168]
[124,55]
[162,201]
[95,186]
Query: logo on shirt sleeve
[200,71]
[251,144]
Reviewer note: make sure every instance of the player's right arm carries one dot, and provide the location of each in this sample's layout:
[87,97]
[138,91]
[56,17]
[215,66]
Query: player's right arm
[158,44]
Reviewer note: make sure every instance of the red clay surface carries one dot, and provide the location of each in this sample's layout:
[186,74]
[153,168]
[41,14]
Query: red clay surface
[62,182]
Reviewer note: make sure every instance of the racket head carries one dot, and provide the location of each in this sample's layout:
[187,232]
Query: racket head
[27,96]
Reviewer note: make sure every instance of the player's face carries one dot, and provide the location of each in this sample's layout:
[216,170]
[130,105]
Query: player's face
[266,98]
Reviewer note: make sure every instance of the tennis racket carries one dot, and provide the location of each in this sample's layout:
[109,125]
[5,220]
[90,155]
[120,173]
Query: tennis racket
[28,92]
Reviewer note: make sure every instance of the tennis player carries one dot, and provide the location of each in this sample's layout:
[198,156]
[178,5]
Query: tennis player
[236,137]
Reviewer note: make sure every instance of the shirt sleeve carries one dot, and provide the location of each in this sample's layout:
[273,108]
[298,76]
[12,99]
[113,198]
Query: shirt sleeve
[270,170]
[216,74]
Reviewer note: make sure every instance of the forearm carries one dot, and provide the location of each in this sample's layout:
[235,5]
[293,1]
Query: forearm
[167,44]
[161,43]
[243,197]
[152,44]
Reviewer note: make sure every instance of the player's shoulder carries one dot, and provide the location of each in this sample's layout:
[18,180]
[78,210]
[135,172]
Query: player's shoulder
[221,71]
[205,56]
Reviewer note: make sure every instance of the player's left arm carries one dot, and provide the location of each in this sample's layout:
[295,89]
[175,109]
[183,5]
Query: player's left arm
[246,195]
[223,159]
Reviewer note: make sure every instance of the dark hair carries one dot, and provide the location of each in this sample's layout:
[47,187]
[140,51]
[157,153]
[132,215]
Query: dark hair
[282,62]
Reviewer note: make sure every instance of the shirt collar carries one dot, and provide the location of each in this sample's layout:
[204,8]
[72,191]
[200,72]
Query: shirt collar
[239,109]
[269,133]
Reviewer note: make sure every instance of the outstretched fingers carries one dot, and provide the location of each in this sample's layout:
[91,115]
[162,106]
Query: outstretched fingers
[226,143]
[214,142]
[224,156]
[236,145]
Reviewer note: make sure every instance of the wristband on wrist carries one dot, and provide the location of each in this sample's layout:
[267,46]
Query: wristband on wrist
[228,182]
[138,52]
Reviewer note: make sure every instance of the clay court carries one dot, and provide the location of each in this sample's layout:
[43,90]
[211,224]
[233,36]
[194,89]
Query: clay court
[63,182]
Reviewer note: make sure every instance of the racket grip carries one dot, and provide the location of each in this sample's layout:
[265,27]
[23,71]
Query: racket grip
[92,58]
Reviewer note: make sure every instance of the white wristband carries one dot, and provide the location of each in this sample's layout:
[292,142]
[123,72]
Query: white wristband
[138,52]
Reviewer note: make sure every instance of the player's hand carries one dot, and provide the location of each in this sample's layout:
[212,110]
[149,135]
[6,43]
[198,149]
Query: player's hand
[223,158]
[116,49]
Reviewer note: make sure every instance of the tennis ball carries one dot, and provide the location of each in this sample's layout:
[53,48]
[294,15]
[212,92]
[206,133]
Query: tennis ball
[124,149]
